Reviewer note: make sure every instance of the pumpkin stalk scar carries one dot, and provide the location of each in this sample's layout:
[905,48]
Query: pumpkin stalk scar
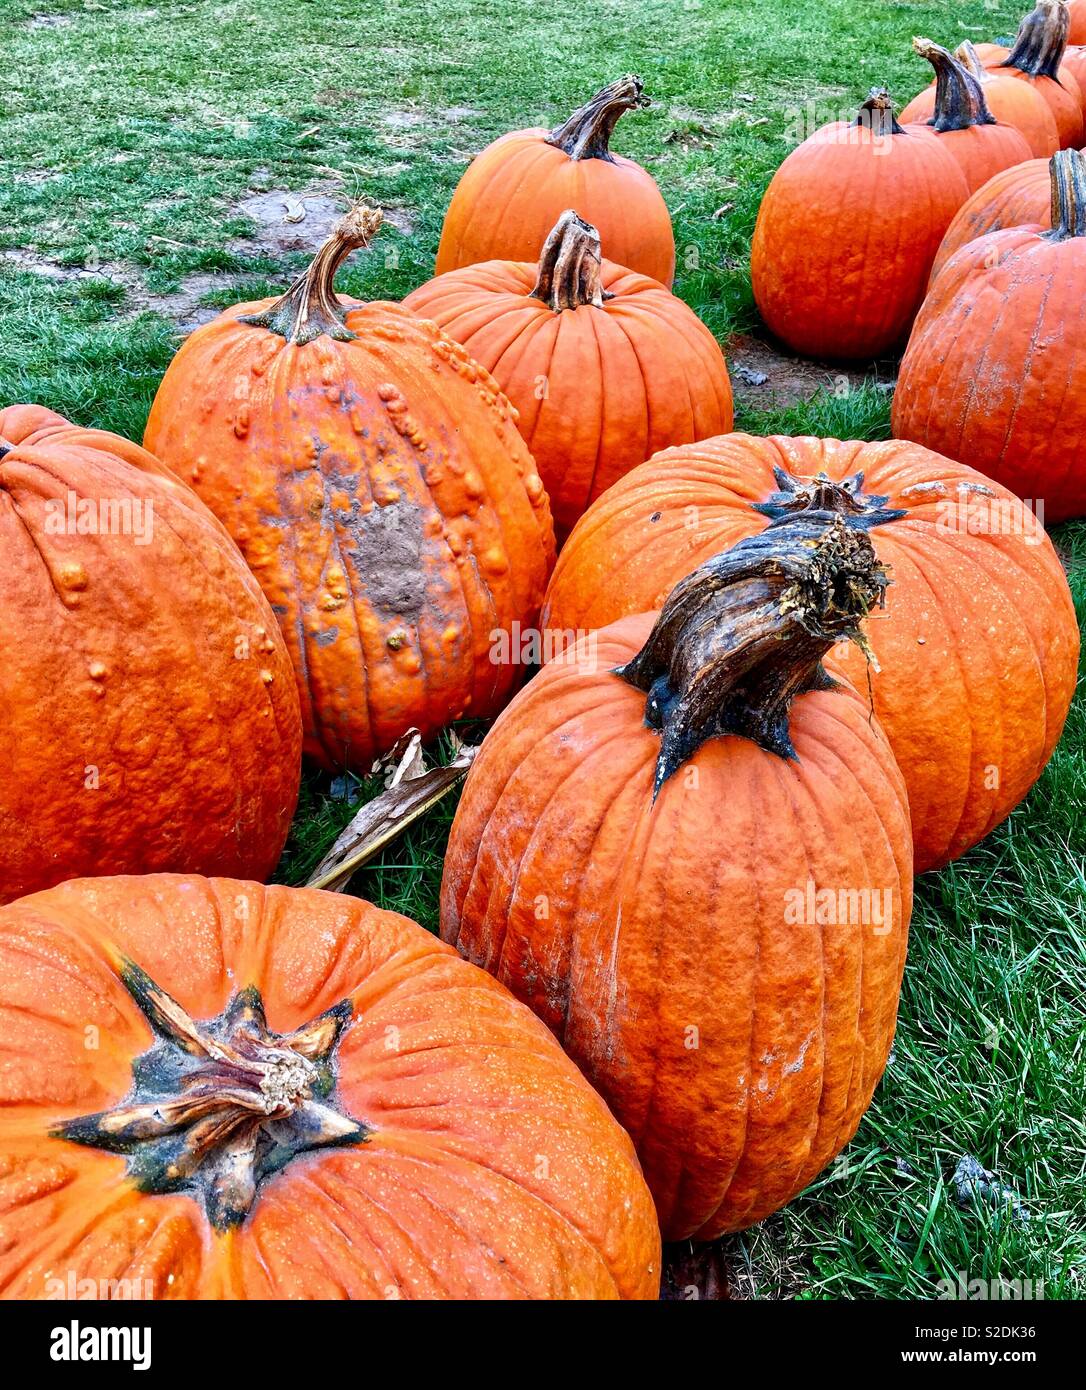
[570,265]
[587,133]
[740,637]
[1041,40]
[846,499]
[311,307]
[220,1106]
[1068,174]
[959,98]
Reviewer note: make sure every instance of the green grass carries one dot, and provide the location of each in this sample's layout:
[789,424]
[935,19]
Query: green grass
[128,137]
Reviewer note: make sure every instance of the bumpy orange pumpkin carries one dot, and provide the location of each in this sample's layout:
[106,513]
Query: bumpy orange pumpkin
[959,114]
[977,651]
[605,367]
[294,1095]
[374,479]
[1037,58]
[1018,197]
[847,232]
[654,858]
[512,193]
[995,370]
[148,716]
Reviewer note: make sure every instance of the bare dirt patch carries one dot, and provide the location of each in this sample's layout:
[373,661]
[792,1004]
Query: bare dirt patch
[288,222]
[765,375]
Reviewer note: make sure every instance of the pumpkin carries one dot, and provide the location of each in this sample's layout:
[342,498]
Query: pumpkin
[604,366]
[976,654]
[641,852]
[301,1096]
[995,371]
[1074,62]
[847,232]
[1037,58]
[373,476]
[1021,196]
[511,195]
[148,715]
[1076,12]
[1009,101]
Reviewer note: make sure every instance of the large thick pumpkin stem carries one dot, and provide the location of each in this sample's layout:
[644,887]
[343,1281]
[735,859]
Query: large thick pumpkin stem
[743,635]
[969,58]
[959,98]
[219,1107]
[569,266]
[877,114]
[1042,38]
[311,307]
[1068,171]
[587,133]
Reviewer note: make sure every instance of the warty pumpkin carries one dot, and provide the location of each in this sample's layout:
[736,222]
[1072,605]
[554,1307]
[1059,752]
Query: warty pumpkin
[847,232]
[995,370]
[148,715]
[646,850]
[1017,197]
[604,366]
[373,476]
[981,145]
[1036,57]
[301,1096]
[513,192]
[976,653]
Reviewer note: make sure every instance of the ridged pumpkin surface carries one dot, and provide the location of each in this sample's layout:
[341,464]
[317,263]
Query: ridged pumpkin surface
[599,384]
[1018,197]
[995,370]
[977,648]
[380,492]
[514,191]
[480,1164]
[148,717]
[737,1048]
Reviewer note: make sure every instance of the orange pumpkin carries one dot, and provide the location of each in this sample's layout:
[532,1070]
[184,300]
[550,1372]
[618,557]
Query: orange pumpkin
[644,853]
[977,651]
[605,367]
[374,479]
[1018,197]
[960,114]
[1037,58]
[995,370]
[512,194]
[847,232]
[1076,13]
[148,716]
[296,1095]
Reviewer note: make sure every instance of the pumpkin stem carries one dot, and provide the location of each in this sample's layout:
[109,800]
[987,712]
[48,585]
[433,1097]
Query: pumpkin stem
[744,634]
[311,307]
[569,266]
[587,133]
[959,99]
[846,499]
[6,447]
[969,58]
[877,114]
[1042,37]
[217,1108]
[1068,170]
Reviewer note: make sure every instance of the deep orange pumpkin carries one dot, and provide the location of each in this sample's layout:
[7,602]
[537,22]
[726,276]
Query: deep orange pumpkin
[374,479]
[513,193]
[295,1095]
[652,891]
[960,115]
[977,650]
[604,366]
[1076,11]
[1037,58]
[995,370]
[847,232]
[1074,61]
[148,716]
[1018,197]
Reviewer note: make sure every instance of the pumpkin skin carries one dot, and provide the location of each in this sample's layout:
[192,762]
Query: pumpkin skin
[512,193]
[464,1098]
[843,189]
[629,369]
[995,372]
[633,926]
[1076,10]
[1011,102]
[1018,197]
[148,715]
[1074,62]
[954,703]
[373,476]
[1037,58]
